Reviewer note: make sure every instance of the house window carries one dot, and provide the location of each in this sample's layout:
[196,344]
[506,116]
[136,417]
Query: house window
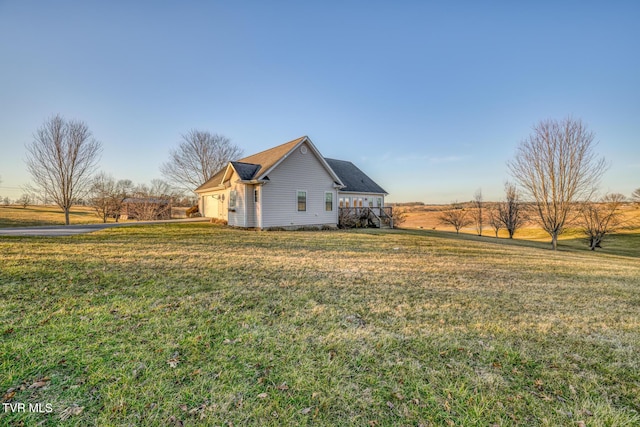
[233,195]
[255,195]
[302,201]
[359,205]
[379,202]
[328,202]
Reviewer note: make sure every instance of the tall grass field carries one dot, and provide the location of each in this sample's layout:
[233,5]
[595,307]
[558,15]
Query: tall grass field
[198,324]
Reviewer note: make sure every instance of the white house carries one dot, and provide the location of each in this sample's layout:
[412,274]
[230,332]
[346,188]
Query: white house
[291,185]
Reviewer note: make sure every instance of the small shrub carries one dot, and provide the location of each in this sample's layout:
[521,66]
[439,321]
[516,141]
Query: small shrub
[399,216]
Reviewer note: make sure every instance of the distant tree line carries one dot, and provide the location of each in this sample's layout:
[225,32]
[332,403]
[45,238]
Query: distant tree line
[63,156]
[556,173]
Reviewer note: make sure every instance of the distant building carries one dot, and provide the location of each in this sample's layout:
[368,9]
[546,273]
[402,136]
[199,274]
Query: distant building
[145,208]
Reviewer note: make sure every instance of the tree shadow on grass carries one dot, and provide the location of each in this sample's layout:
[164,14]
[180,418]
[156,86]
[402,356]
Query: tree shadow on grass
[622,244]
[619,244]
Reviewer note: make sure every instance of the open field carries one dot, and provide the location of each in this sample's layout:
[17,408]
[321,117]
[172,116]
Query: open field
[201,324]
[17,216]
[427,217]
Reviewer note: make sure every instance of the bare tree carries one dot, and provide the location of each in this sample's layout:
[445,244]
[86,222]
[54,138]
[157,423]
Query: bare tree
[478,211]
[635,196]
[160,188]
[102,193]
[510,212]
[199,155]
[150,202]
[456,216]
[25,200]
[557,167]
[124,188]
[399,216]
[61,159]
[601,218]
[494,219]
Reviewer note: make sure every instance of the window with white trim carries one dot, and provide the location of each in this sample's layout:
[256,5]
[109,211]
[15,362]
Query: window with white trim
[302,201]
[328,201]
[233,196]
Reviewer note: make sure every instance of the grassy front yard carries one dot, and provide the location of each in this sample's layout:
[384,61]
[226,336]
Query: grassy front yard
[195,323]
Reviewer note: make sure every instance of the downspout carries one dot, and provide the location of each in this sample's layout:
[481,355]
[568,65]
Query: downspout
[245,205]
[258,205]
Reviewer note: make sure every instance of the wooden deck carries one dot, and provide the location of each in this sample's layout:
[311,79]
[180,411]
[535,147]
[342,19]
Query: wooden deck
[365,217]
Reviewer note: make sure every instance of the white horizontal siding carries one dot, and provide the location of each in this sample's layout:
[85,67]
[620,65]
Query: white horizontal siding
[279,195]
[237,215]
[251,220]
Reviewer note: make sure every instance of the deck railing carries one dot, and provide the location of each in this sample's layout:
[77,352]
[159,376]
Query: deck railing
[359,217]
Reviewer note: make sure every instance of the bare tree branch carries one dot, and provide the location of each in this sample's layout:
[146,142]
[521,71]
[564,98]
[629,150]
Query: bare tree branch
[601,218]
[478,211]
[556,166]
[61,159]
[102,194]
[494,218]
[198,157]
[510,212]
[456,216]
[150,202]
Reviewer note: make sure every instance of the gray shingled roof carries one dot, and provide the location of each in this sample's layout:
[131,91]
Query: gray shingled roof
[254,166]
[247,171]
[264,160]
[353,178]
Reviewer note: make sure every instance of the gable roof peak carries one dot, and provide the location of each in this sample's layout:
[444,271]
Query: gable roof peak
[257,166]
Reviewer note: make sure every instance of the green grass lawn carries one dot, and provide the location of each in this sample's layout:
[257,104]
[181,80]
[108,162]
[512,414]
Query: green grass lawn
[201,324]
[17,216]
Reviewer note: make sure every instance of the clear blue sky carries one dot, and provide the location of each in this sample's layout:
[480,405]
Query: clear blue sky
[428,98]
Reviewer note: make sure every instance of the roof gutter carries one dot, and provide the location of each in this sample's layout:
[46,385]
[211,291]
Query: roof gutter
[253,181]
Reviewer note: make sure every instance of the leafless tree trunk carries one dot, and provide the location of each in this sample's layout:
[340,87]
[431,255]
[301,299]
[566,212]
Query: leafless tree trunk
[61,159]
[25,200]
[102,189]
[456,216]
[601,218]
[510,212]
[494,219]
[199,156]
[557,167]
[124,188]
[478,211]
